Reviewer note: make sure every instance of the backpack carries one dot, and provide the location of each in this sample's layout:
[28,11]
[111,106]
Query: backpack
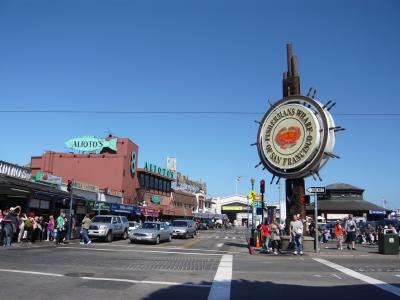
[28,223]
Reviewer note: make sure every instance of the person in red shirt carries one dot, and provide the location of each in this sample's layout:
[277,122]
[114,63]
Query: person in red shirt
[265,236]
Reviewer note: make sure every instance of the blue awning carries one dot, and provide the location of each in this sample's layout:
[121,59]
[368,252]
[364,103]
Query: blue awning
[124,208]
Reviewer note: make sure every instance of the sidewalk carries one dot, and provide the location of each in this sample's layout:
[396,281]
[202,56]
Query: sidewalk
[43,244]
[329,249]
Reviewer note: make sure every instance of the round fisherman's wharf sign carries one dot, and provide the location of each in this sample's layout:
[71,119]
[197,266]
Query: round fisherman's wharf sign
[293,137]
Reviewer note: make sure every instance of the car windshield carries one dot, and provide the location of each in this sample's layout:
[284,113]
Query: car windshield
[99,219]
[179,223]
[151,226]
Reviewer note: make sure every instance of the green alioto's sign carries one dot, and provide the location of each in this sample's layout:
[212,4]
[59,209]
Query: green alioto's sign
[158,170]
[91,143]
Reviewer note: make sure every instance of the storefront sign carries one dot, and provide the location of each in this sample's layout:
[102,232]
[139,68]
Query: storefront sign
[15,171]
[158,170]
[232,207]
[294,137]
[377,212]
[156,199]
[91,143]
[184,183]
[98,206]
[148,212]
[47,178]
[127,209]
[85,186]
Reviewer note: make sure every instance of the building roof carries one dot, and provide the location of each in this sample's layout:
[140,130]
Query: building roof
[342,187]
[345,205]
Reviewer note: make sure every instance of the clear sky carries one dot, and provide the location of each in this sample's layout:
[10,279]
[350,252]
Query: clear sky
[202,56]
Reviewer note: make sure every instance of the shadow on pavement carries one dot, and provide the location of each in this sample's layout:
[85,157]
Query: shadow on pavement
[249,290]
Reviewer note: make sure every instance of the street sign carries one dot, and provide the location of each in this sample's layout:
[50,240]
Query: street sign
[257,204]
[316,190]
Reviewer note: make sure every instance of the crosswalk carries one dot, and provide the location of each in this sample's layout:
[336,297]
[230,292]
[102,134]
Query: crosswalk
[217,237]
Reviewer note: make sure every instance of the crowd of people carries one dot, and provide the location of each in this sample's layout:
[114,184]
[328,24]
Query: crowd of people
[26,227]
[346,231]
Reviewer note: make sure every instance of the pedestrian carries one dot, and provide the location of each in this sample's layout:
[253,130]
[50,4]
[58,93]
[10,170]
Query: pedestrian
[275,238]
[60,228]
[282,228]
[28,228]
[296,234]
[339,233]
[85,230]
[10,224]
[265,236]
[351,229]
[1,227]
[392,229]
[369,237]
[50,229]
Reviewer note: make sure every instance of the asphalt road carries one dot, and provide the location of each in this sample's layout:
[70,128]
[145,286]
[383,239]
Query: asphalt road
[214,265]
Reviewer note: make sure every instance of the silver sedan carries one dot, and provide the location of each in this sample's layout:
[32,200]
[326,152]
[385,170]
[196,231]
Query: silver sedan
[151,232]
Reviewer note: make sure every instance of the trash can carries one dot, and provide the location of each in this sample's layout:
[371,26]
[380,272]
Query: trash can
[388,242]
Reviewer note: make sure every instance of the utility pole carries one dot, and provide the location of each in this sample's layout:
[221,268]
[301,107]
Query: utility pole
[71,197]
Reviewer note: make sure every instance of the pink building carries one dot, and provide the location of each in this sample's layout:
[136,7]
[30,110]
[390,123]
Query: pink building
[115,170]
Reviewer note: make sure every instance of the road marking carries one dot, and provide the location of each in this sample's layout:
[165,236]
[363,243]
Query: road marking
[337,276]
[221,286]
[378,283]
[226,238]
[32,272]
[172,248]
[107,279]
[398,275]
[217,237]
[220,245]
[133,250]
[234,238]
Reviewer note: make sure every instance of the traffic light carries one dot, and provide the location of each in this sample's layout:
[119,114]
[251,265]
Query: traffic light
[262,186]
[69,186]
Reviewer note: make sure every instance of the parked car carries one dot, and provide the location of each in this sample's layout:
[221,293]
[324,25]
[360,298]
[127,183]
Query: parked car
[183,228]
[207,224]
[133,225]
[108,227]
[151,232]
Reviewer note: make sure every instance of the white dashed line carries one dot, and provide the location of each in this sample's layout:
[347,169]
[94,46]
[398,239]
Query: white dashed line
[220,245]
[378,283]
[221,286]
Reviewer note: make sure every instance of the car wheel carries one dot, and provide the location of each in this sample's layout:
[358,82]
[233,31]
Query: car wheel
[133,241]
[125,235]
[170,238]
[207,228]
[186,235]
[157,239]
[109,237]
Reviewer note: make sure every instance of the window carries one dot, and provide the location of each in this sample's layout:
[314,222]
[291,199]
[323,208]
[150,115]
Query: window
[169,186]
[147,180]
[141,179]
[164,187]
[152,182]
[156,183]
[119,220]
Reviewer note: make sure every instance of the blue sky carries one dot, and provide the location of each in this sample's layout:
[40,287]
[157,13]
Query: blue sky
[202,56]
